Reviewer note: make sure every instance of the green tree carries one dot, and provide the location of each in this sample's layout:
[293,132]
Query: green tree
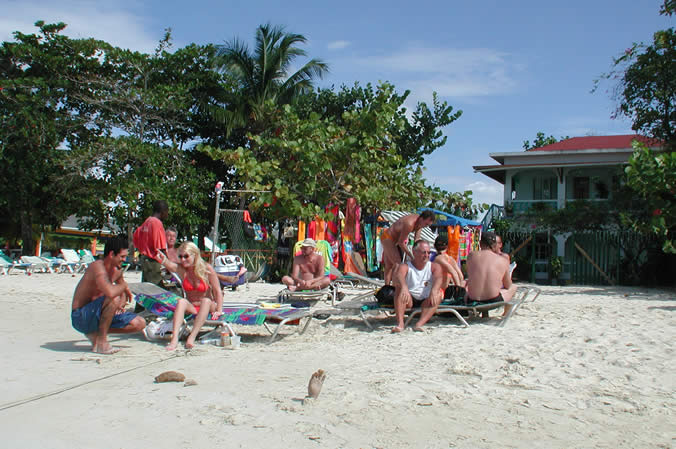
[421,134]
[40,111]
[541,140]
[307,163]
[645,85]
[262,75]
[653,176]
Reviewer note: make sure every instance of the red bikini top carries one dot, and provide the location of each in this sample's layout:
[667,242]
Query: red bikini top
[188,287]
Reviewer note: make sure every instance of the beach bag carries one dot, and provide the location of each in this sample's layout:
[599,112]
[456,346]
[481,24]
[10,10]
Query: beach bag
[385,295]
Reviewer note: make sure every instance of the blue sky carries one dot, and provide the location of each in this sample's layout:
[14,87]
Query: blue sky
[513,68]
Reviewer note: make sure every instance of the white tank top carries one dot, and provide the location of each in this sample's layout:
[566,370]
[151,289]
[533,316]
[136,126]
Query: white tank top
[418,281]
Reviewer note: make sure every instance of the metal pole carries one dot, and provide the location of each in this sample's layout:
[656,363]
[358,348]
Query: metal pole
[214,237]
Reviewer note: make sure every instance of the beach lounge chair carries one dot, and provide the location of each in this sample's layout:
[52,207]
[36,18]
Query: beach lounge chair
[354,280]
[7,265]
[365,306]
[37,264]
[162,303]
[73,260]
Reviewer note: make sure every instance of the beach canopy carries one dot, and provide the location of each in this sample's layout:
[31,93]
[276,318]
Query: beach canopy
[451,220]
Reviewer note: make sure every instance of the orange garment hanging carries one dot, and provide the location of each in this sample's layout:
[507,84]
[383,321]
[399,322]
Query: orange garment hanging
[453,242]
[301,230]
[320,226]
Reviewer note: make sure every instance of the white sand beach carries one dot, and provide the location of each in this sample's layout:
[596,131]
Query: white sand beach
[581,367]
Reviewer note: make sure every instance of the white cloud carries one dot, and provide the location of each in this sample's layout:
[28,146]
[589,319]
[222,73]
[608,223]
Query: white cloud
[486,192]
[104,21]
[449,72]
[337,45]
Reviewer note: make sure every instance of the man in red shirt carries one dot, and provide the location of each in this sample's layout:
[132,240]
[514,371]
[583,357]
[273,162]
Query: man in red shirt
[150,239]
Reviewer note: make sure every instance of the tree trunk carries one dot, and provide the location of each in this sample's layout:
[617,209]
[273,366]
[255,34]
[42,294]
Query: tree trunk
[28,245]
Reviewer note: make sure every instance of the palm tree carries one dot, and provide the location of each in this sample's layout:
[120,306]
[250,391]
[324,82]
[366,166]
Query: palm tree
[263,75]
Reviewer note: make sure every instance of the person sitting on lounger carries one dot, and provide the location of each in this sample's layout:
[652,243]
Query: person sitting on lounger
[417,283]
[498,248]
[394,240]
[201,286]
[100,297]
[488,275]
[452,273]
[308,270]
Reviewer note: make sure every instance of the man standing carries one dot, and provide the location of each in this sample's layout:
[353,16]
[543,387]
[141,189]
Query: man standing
[100,297]
[417,283]
[308,269]
[150,239]
[394,240]
[488,275]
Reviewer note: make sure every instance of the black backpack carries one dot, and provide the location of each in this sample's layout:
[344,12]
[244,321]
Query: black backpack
[385,295]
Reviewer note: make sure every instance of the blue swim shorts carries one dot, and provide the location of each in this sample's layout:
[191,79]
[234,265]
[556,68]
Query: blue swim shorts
[86,318]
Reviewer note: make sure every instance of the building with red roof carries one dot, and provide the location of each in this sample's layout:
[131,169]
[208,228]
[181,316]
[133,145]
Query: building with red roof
[579,168]
[572,169]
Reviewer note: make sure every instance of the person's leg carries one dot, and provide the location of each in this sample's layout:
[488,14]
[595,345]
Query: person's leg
[320,284]
[185,306]
[108,309]
[289,282]
[389,260]
[135,325]
[401,303]
[205,309]
[428,309]
[507,295]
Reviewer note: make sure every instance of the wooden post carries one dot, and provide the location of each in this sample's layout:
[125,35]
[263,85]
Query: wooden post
[520,247]
[591,261]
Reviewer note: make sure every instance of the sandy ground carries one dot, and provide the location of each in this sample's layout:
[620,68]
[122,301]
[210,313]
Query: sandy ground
[580,367]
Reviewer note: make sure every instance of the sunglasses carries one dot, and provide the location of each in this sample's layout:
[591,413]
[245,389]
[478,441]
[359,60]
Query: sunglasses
[184,256]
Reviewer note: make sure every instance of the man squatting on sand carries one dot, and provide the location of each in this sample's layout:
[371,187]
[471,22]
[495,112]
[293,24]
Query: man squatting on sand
[488,275]
[100,297]
[417,283]
[394,240]
[308,269]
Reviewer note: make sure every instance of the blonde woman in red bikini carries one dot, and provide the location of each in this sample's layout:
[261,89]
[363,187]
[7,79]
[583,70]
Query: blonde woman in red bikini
[202,288]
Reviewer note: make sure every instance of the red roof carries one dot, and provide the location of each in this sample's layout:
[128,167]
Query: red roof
[598,143]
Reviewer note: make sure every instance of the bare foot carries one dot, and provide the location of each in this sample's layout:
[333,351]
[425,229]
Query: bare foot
[316,382]
[171,346]
[418,329]
[396,330]
[190,343]
[105,349]
[92,338]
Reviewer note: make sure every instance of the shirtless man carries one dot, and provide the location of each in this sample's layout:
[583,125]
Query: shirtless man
[417,283]
[100,297]
[488,276]
[394,239]
[452,273]
[172,234]
[308,270]
[498,248]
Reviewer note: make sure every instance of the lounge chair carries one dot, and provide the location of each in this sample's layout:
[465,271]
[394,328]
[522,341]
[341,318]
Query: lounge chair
[162,303]
[364,306]
[73,260]
[7,265]
[37,264]
[354,280]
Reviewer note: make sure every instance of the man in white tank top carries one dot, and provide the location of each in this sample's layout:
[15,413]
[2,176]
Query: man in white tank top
[417,283]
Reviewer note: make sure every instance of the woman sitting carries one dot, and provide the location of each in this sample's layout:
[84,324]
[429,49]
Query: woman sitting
[201,287]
